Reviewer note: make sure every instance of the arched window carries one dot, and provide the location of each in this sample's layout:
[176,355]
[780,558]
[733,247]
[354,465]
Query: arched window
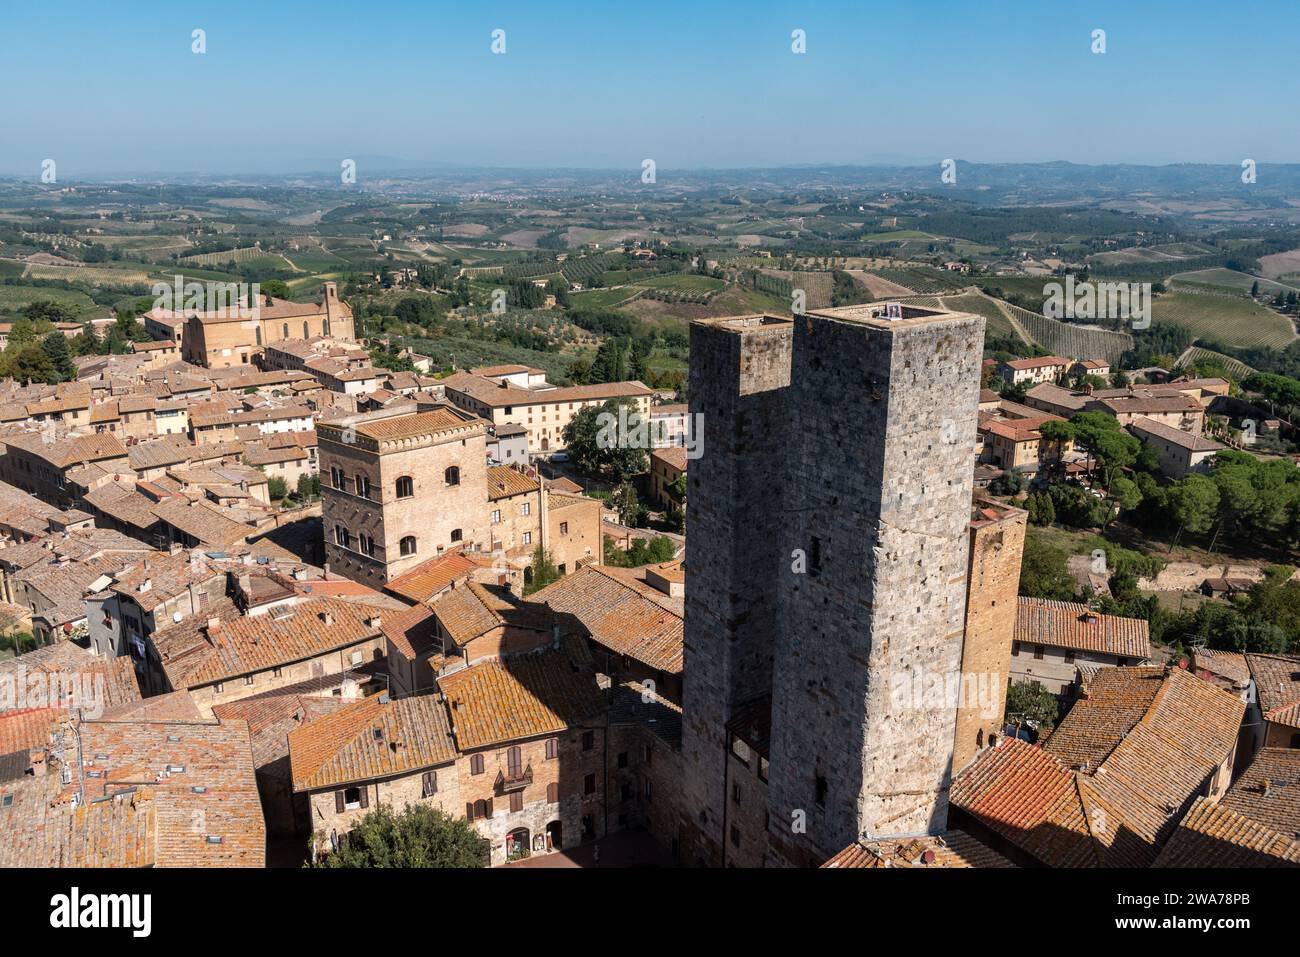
[363,486]
[407,545]
[405,487]
[306,334]
[456,535]
[257,334]
[286,330]
[452,476]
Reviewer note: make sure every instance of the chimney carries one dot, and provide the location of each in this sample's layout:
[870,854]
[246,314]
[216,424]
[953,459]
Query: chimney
[327,618]
[373,622]
[1087,387]
[145,586]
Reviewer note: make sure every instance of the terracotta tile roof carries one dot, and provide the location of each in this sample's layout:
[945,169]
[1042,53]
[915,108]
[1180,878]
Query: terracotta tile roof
[1214,835]
[112,680]
[521,697]
[1042,362]
[1116,699]
[245,645]
[475,609]
[429,578]
[1140,404]
[201,521]
[72,450]
[1277,680]
[1225,664]
[1067,624]
[950,849]
[416,424]
[1269,790]
[146,786]
[503,482]
[374,738]
[1167,433]
[28,728]
[622,614]
[674,455]
[413,632]
[1123,811]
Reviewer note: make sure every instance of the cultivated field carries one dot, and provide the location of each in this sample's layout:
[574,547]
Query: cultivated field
[1229,280]
[1069,340]
[1280,264]
[1233,321]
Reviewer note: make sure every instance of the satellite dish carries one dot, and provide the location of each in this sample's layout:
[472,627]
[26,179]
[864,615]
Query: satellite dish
[177,616]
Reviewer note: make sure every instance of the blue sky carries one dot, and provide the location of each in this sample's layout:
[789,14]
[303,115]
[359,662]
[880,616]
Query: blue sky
[289,86]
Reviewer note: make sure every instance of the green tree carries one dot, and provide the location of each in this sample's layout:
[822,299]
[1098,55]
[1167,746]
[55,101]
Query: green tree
[1193,502]
[277,488]
[55,347]
[625,501]
[542,572]
[1044,570]
[308,486]
[420,836]
[601,442]
[1028,702]
[1040,508]
[27,364]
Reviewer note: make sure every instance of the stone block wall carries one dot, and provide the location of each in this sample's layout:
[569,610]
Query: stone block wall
[993,584]
[879,483]
[739,377]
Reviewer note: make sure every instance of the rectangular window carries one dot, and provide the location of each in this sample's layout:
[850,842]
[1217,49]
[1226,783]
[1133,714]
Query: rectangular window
[1038,652]
[735,793]
[429,785]
[564,528]
[527,508]
[735,836]
[552,749]
[588,740]
[552,793]
[496,516]
[528,538]
[622,759]
[517,801]
[589,784]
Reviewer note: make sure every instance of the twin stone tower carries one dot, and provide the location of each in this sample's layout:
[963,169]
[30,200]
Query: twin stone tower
[826,568]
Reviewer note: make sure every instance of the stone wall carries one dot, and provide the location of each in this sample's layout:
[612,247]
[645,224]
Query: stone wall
[993,584]
[880,481]
[739,379]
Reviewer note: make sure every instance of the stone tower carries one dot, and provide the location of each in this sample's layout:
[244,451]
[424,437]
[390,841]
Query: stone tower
[739,380]
[997,538]
[883,406]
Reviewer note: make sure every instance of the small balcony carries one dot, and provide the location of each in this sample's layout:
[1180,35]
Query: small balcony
[506,783]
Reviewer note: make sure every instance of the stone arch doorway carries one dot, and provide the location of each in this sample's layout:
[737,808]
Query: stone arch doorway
[555,836]
[517,844]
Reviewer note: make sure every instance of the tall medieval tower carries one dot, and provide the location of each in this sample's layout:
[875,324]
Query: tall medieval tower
[882,416]
[739,380]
